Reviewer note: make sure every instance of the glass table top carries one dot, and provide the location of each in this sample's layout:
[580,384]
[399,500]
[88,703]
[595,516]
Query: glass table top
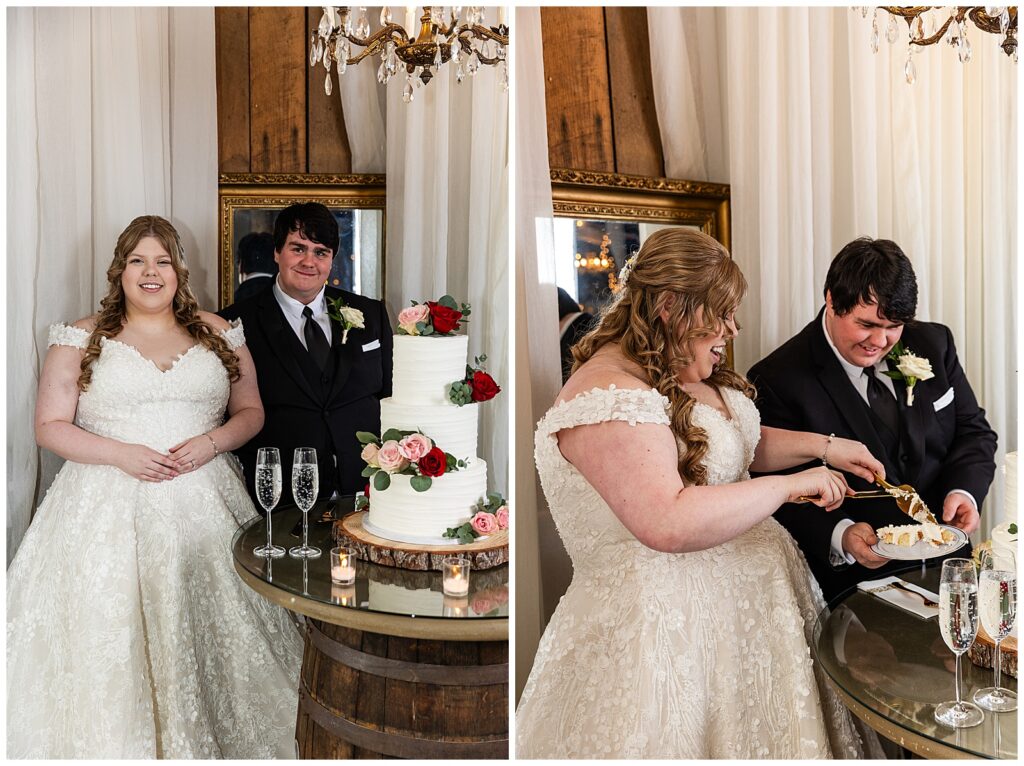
[897,666]
[381,589]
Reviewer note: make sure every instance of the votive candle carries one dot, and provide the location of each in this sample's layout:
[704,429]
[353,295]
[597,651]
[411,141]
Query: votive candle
[455,576]
[343,565]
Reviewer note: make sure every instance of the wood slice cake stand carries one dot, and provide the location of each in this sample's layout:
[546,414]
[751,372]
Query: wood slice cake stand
[983,652]
[483,554]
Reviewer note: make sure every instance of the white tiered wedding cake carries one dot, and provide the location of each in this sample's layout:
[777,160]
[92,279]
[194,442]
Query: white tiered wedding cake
[420,497]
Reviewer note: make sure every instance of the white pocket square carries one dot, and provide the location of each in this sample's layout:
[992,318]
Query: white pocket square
[376,344]
[944,400]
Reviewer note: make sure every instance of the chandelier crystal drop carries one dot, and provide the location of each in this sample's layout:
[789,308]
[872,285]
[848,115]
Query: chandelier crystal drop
[928,25]
[446,34]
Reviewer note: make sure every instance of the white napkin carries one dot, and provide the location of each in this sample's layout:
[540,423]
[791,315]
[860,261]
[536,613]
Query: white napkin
[901,598]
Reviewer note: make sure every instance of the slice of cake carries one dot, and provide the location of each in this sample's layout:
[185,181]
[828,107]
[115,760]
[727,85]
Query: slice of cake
[903,536]
[907,535]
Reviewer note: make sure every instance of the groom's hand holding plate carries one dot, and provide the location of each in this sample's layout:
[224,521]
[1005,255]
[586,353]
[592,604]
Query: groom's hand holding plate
[858,540]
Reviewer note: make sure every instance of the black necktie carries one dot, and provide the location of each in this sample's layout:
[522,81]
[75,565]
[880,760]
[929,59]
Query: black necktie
[882,402]
[316,341]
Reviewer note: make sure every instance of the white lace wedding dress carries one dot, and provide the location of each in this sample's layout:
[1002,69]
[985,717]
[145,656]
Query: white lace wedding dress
[129,634]
[659,655]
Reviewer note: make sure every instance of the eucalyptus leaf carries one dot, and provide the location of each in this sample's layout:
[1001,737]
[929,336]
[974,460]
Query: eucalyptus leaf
[369,471]
[381,481]
[448,302]
[420,483]
[392,435]
[365,437]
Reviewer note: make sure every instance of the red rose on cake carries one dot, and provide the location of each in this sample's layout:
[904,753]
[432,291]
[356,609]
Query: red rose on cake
[484,387]
[443,319]
[433,463]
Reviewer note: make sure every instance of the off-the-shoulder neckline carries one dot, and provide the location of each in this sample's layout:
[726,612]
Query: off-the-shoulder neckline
[613,388]
[597,390]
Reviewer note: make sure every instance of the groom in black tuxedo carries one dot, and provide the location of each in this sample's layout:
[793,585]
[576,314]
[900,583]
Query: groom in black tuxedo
[828,379]
[319,384]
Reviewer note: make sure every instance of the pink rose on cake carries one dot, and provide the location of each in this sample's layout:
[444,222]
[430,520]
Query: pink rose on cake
[414,446]
[369,455]
[484,523]
[501,515]
[390,458]
[409,316]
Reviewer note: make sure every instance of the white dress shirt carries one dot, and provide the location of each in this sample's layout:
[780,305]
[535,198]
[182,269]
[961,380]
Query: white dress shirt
[293,312]
[838,556]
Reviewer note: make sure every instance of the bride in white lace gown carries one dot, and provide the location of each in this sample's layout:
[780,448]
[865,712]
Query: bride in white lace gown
[685,631]
[129,635]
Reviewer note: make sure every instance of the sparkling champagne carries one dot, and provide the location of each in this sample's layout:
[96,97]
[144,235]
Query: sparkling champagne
[958,614]
[305,485]
[268,485]
[997,602]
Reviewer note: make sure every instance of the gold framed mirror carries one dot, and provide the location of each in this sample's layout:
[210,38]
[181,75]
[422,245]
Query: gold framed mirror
[249,204]
[603,218]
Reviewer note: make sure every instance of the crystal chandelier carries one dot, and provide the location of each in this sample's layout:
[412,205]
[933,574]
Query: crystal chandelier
[442,38]
[927,25]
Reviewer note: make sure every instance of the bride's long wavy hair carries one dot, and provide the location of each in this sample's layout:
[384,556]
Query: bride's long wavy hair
[112,315]
[698,272]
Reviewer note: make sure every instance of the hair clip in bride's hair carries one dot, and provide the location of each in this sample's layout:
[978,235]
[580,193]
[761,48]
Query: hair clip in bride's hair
[627,269]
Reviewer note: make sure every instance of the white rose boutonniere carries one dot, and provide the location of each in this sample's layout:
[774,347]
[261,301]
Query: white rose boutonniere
[346,316]
[909,368]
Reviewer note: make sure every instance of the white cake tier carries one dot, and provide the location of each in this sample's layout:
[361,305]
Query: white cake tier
[424,367]
[401,513]
[453,428]
[385,597]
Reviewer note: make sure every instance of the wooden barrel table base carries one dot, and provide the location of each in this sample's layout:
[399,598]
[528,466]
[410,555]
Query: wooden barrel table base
[483,554]
[369,695]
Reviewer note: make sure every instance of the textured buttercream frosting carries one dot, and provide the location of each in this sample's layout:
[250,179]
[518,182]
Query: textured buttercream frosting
[401,513]
[453,428]
[424,367]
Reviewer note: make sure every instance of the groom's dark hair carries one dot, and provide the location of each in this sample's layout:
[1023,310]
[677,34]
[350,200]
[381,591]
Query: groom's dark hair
[873,271]
[311,219]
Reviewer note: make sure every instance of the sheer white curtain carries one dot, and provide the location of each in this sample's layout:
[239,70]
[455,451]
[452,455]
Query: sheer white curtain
[111,114]
[823,141]
[447,219]
[364,106]
[542,570]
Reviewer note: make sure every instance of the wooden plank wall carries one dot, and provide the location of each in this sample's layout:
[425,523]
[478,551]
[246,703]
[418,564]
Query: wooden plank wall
[598,90]
[272,113]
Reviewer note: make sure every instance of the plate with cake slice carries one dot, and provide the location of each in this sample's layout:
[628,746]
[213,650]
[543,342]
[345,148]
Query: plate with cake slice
[913,542]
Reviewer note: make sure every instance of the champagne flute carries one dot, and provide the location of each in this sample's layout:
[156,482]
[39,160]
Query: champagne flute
[958,622]
[997,604]
[268,492]
[305,487]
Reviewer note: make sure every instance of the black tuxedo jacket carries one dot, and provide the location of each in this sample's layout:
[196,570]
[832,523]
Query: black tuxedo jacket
[306,407]
[945,442]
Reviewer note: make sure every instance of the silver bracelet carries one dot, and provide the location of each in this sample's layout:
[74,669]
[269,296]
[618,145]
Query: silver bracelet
[217,451]
[824,455]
